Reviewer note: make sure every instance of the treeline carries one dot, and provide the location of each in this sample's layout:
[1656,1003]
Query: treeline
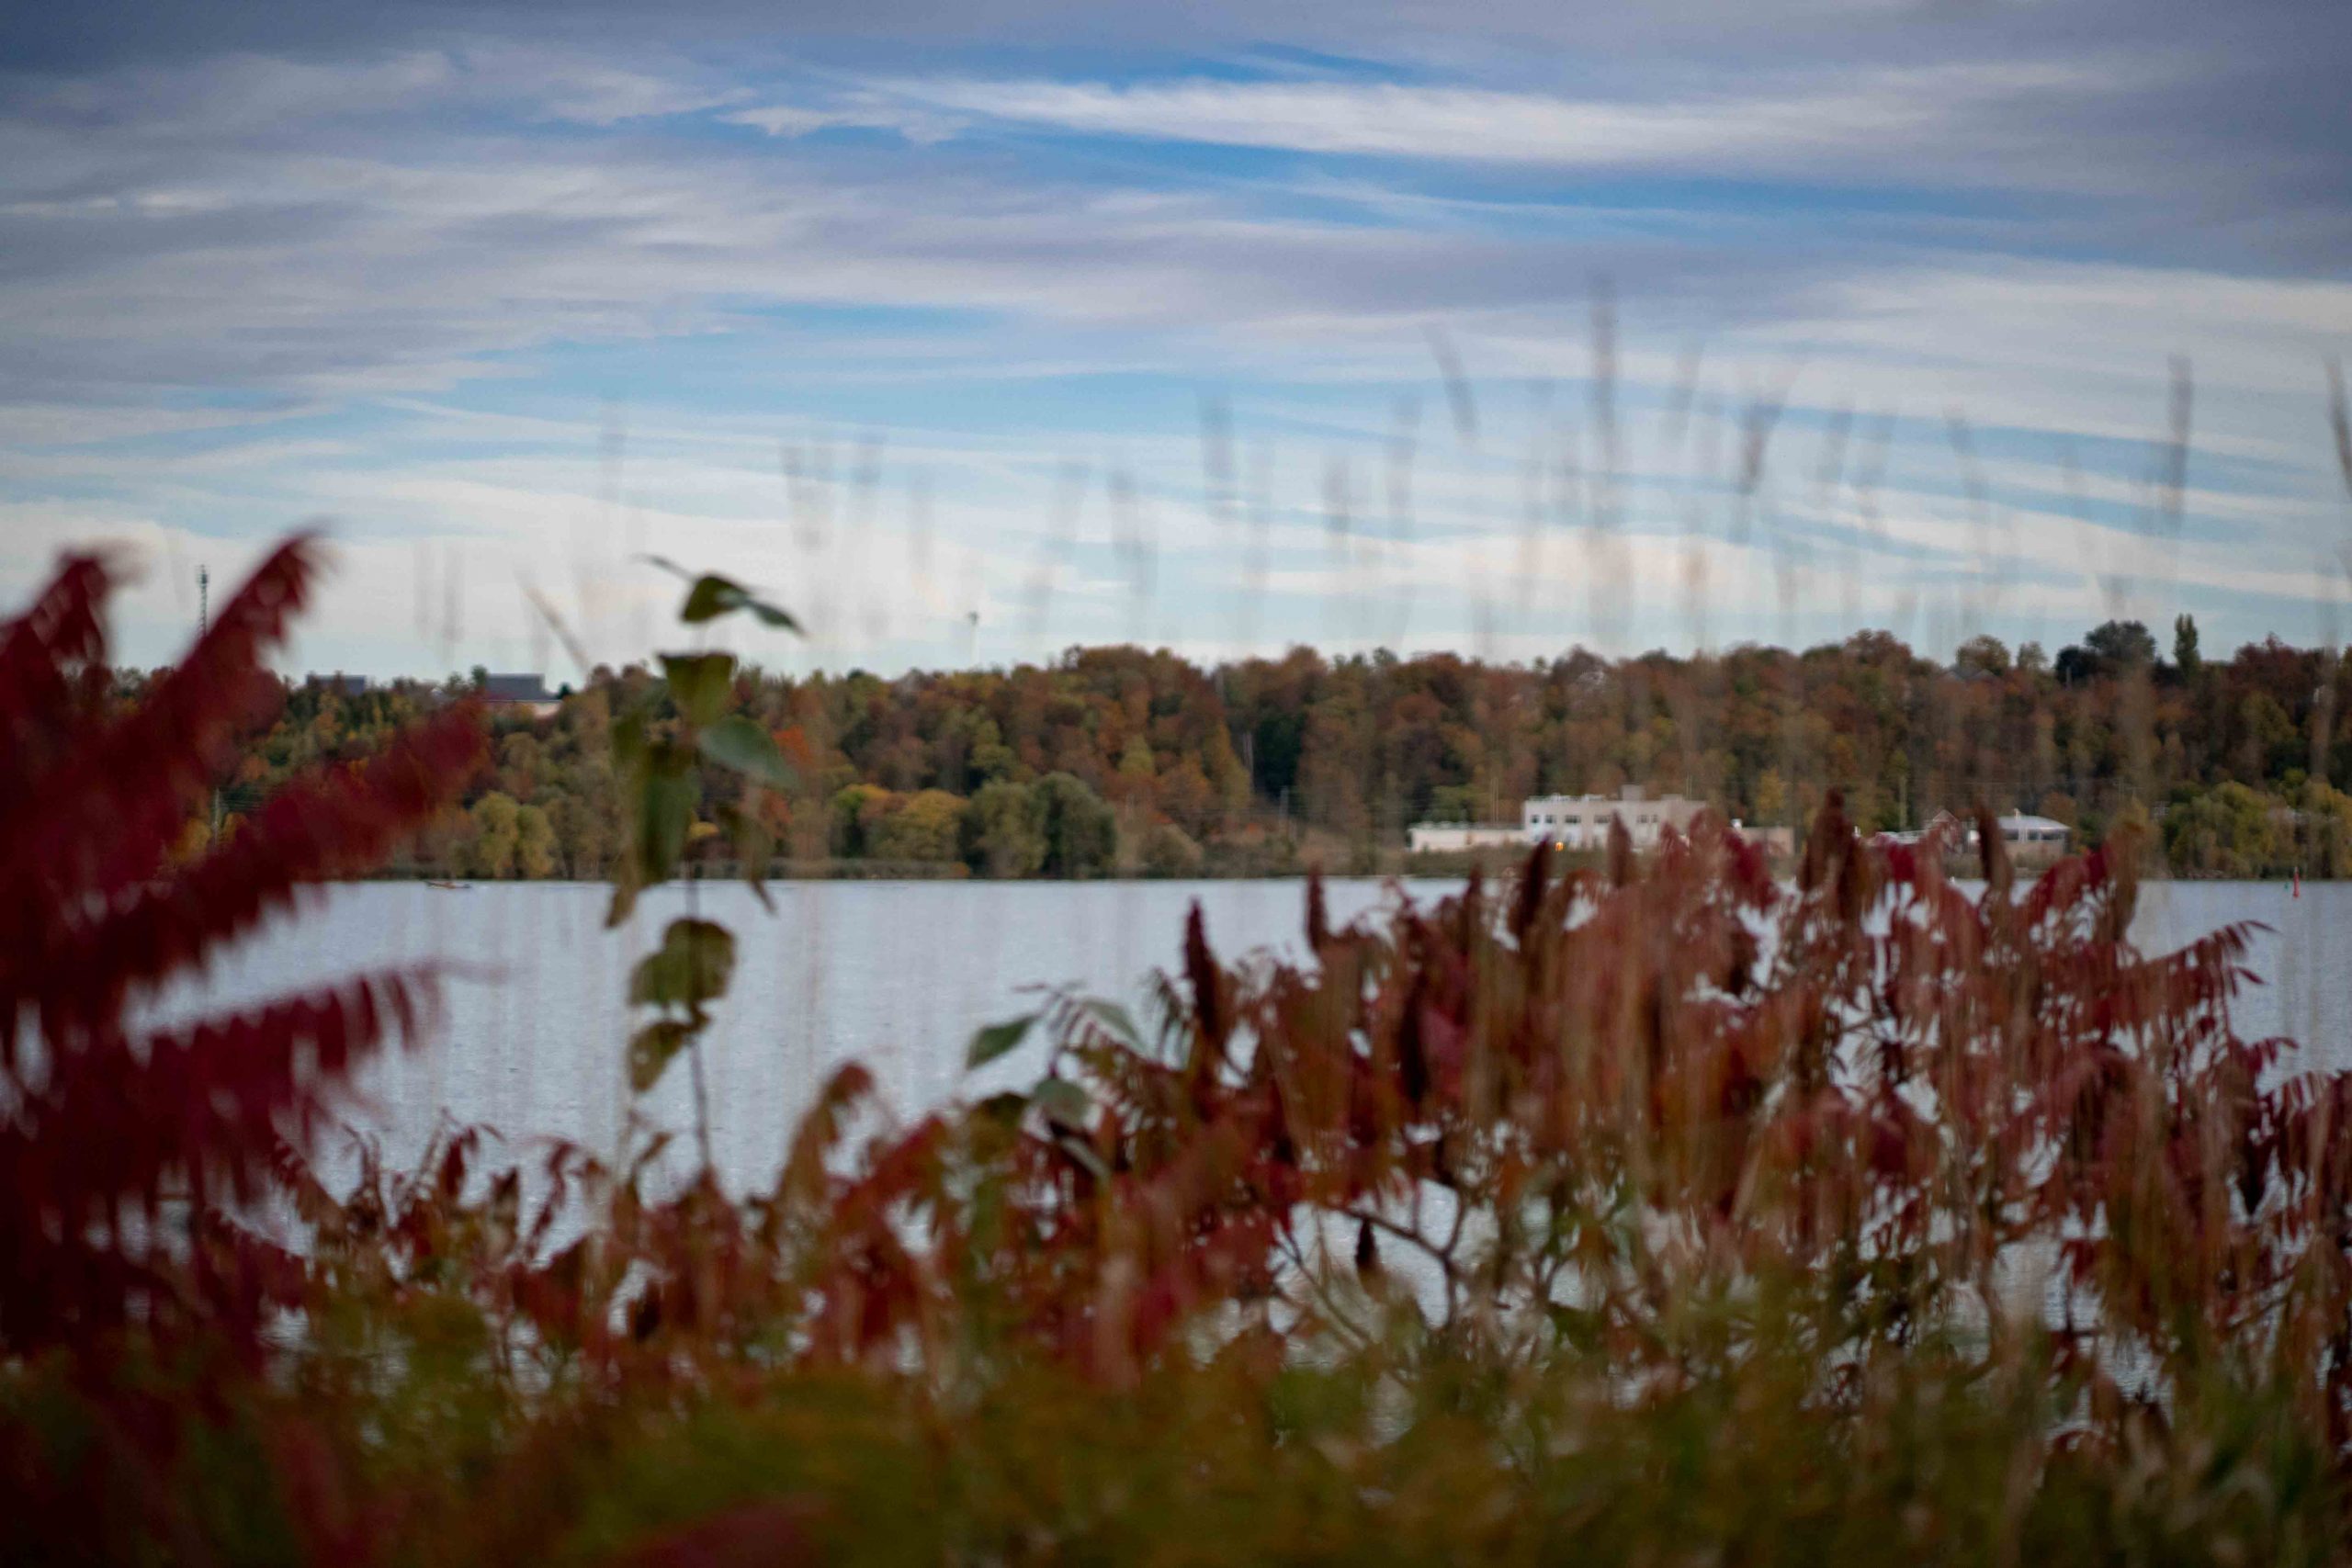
[1122,760]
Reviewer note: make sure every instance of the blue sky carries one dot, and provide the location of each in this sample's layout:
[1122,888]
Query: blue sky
[1494,327]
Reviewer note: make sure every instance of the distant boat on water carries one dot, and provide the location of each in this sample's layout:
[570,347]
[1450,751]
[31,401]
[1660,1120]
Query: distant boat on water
[451,887]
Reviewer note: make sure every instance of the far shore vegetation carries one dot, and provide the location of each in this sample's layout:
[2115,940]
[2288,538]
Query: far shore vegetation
[1120,762]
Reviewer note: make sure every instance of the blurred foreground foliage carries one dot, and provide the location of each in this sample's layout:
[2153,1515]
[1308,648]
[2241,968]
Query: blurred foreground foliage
[1651,1211]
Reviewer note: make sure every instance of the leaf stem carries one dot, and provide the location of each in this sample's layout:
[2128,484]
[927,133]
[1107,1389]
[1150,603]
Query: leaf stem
[693,1046]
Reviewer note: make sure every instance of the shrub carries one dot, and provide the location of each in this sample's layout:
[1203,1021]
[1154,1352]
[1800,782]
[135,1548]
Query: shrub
[1639,1211]
[1169,851]
[127,1150]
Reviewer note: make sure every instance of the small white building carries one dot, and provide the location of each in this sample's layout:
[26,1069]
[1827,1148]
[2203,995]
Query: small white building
[2021,828]
[527,692]
[1454,837]
[2039,835]
[1581,821]
[1567,822]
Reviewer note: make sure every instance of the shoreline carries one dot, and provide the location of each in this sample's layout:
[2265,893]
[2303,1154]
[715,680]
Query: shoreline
[1408,867]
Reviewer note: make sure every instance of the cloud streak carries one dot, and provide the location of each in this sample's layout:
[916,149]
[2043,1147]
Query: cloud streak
[1845,121]
[384,267]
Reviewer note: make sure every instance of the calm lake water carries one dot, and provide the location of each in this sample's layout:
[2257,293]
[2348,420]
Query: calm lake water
[900,974]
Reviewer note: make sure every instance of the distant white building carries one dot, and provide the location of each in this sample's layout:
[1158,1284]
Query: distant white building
[1454,838]
[2020,829]
[528,692]
[1581,821]
[1567,822]
[2036,835]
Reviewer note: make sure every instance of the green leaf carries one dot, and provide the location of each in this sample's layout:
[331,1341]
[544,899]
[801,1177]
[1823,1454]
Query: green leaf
[629,742]
[713,596]
[997,1039]
[699,683]
[1063,1103]
[665,810]
[754,846]
[1113,1017]
[738,742]
[710,596]
[771,615]
[658,790]
[692,966]
[1004,1109]
[652,1049]
[1082,1151]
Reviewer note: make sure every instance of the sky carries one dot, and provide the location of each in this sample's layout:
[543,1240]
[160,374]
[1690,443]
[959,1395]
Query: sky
[973,332]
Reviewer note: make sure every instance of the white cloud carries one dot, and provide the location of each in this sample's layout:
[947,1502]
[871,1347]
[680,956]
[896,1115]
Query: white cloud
[858,112]
[253,240]
[570,85]
[1870,115]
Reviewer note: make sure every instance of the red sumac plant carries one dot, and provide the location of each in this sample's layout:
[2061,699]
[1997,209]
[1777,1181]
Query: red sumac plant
[120,1146]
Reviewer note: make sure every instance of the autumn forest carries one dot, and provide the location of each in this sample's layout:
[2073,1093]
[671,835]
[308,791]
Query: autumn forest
[1118,760]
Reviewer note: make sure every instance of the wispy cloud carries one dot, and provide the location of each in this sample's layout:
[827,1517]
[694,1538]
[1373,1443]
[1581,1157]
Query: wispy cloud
[1871,116]
[413,275]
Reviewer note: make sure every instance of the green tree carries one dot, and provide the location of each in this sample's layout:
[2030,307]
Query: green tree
[520,761]
[925,826]
[1454,802]
[582,835]
[1004,830]
[1081,830]
[990,757]
[534,844]
[2230,831]
[2119,646]
[1981,656]
[2271,743]
[495,821]
[2183,647]
[1169,851]
[856,811]
[2327,830]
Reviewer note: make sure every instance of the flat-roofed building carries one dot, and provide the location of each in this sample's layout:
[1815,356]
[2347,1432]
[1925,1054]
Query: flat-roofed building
[2027,836]
[1457,837]
[2018,827]
[526,691]
[1575,822]
[1581,821]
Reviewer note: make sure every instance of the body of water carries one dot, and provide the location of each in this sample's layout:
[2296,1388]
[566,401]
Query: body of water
[898,975]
